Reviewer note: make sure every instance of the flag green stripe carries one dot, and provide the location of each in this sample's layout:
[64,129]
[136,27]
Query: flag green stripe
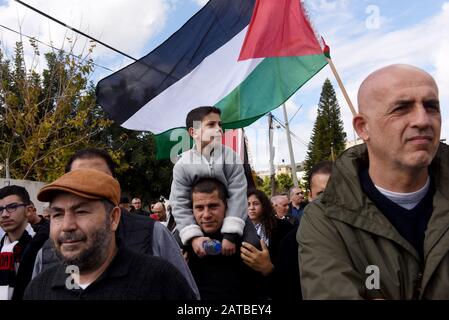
[272,83]
[267,87]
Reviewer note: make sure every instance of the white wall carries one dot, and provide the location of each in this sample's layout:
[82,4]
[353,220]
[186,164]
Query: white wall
[32,187]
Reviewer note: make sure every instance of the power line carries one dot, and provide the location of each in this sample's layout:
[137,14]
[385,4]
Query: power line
[94,39]
[50,46]
[289,121]
[299,140]
[74,29]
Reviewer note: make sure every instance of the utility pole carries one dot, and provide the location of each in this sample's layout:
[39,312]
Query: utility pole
[271,148]
[290,149]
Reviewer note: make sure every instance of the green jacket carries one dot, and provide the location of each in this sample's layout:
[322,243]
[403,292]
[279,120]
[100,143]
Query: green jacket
[342,233]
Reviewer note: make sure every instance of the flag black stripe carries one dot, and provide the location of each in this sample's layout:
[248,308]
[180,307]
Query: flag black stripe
[123,93]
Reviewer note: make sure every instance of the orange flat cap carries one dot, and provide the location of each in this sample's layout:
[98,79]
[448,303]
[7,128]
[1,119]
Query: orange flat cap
[86,183]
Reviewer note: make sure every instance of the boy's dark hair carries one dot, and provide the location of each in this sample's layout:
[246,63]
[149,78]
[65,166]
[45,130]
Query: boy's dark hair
[209,185]
[91,153]
[199,113]
[323,167]
[14,190]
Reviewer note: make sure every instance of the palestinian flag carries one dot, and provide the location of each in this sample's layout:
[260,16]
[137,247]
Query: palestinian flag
[245,57]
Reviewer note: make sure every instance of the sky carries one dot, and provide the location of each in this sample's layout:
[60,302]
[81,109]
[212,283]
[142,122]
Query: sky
[364,35]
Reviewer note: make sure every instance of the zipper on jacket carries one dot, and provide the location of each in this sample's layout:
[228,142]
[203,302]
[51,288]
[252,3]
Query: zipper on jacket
[417,286]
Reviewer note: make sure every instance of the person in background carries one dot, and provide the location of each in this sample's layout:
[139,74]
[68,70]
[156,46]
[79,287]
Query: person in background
[137,204]
[280,204]
[124,203]
[270,231]
[159,213]
[319,176]
[19,246]
[288,264]
[297,202]
[46,213]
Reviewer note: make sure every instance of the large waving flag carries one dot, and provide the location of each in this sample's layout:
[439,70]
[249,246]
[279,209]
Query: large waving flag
[246,57]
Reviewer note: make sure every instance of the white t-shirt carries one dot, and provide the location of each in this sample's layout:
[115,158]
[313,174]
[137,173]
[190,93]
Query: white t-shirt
[406,200]
[84,285]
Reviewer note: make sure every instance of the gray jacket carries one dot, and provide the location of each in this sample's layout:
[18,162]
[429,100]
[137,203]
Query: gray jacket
[224,165]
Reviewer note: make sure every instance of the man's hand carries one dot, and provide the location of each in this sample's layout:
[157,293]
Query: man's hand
[185,254]
[197,245]
[227,248]
[255,259]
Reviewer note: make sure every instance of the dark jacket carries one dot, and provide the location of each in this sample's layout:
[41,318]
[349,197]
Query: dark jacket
[130,276]
[141,212]
[276,282]
[140,234]
[28,257]
[226,277]
[343,235]
[287,284]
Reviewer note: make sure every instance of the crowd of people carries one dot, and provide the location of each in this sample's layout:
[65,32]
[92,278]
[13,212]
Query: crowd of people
[373,225]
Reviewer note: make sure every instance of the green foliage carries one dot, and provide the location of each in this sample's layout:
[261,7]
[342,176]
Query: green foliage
[264,185]
[45,118]
[138,171]
[328,137]
[283,183]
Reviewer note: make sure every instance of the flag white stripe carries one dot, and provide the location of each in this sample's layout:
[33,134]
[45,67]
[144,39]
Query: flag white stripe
[208,83]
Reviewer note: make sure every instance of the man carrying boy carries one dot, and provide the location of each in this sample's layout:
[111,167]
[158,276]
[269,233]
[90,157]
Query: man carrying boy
[208,158]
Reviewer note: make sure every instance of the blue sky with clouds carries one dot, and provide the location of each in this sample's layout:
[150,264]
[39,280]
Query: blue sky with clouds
[363,34]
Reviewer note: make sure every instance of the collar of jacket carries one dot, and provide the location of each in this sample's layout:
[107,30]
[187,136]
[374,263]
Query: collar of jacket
[348,203]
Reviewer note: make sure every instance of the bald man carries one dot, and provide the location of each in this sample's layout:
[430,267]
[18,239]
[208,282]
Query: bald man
[381,228]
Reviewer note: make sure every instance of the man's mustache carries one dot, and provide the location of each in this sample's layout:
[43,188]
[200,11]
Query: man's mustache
[71,236]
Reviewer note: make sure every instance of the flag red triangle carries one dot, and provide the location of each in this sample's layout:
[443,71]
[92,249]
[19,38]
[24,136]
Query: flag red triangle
[279,28]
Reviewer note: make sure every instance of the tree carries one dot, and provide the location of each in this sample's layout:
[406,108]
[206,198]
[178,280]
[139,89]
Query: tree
[47,116]
[328,138]
[138,171]
[285,182]
[265,185]
[44,119]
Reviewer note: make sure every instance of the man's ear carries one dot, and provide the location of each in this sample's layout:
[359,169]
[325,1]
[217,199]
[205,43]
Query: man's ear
[115,218]
[360,125]
[29,211]
[194,133]
[191,131]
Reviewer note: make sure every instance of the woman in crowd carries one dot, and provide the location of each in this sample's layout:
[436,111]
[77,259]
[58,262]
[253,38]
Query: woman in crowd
[270,231]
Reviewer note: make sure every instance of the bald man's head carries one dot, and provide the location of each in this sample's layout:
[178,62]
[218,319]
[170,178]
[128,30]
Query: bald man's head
[399,118]
[374,87]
